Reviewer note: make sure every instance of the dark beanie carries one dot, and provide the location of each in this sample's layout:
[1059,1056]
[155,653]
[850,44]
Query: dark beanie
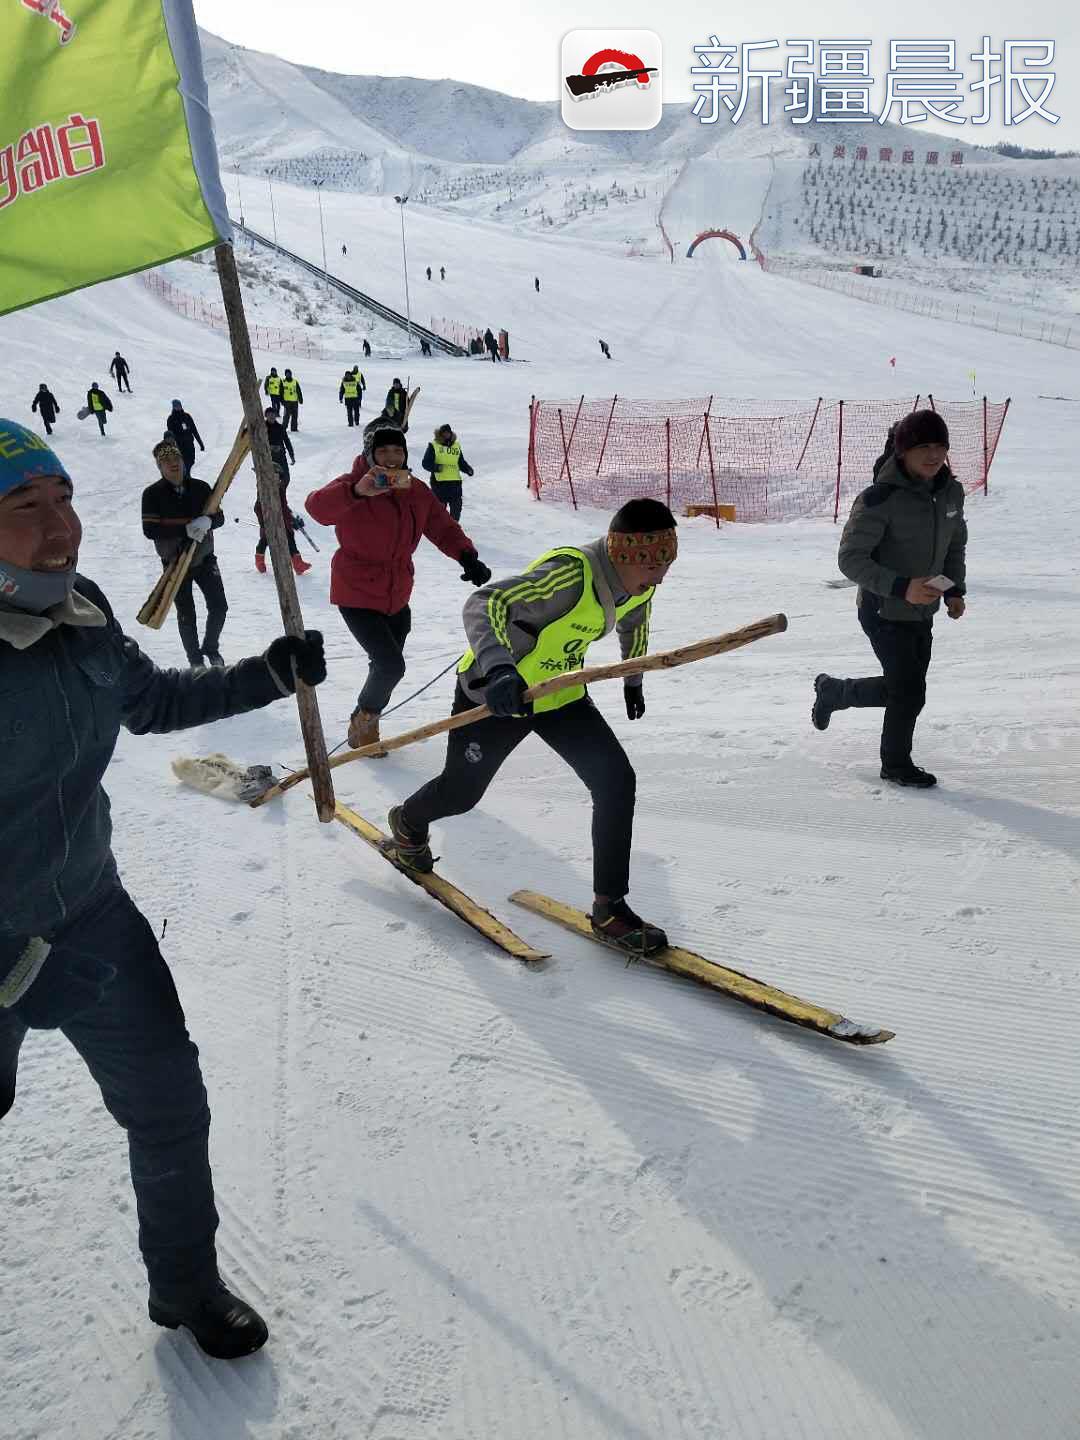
[921,427]
[385,435]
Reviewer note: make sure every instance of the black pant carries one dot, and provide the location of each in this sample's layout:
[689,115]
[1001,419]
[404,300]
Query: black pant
[47,424]
[99,416]
[580,735]
[106,986]
[123,382]
[188,454]
[449,492]
[275,403]
[903,648]
[352,410]
[291,408]
[207,577]
[260,548]
[383,637]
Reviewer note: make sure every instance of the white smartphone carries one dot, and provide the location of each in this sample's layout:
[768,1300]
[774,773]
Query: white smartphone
[940,582]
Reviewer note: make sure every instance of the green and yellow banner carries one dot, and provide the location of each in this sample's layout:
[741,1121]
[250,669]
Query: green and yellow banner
[107,157]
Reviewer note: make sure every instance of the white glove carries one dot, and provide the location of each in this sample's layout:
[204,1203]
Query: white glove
[199,528]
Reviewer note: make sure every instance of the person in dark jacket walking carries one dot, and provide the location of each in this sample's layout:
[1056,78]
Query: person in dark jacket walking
[185,432]
[605,350]
[381,513]
[429,272]
[272,389]
[396,406]
[281,450]
[121,372]
[492,346]
[47,406]
[536,283]
[98,404]
[442,272]
[172,516]
[365,345]
[76,955]
[349,394]
[299,564]
[905,547]
[523,630]
[292,397]
[445,463]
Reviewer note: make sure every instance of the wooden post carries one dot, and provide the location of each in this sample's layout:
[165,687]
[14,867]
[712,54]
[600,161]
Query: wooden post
[566,447]
[667,432]
[986,452]
[809,433]
[269,488]
[532,480]
[839,461]
[607,428]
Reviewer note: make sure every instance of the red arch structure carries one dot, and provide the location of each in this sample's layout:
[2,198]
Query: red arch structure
[717,235]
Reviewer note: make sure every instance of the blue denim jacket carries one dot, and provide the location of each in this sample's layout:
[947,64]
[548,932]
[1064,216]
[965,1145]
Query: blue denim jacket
[67,684]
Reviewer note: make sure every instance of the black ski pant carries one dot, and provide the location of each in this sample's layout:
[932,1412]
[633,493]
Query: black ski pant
[383,638]
[263,542]
[207,577]
[106,987]
[187,451]
[292,409]
[122,382]
[449,492]
[903,649]
[275,403]
[47,422]
[352,410]
[578,734]
[99,416]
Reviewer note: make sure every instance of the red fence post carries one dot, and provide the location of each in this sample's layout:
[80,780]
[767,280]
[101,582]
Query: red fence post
[997,437]
[810,432]
[566,450]
[839,454]
[533,478]
[986,452]
[708,410]
[667,427]
[603,447]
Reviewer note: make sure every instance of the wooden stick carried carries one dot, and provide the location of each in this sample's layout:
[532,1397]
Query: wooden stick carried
[664,660]
[159,602]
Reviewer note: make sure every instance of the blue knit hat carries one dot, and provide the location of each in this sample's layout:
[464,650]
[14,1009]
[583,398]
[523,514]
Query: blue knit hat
[24,456]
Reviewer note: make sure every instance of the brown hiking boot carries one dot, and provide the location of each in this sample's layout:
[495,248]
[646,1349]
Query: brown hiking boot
[364,730]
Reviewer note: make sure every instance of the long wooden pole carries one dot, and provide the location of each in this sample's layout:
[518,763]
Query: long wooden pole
[664,660]
[269,488]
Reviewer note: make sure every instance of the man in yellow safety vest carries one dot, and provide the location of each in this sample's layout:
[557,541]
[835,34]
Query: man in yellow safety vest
[529,628]
[349,393]
[272,389]
[445,463]
[291,398]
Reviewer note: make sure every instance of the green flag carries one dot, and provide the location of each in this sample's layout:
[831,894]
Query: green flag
[107,156]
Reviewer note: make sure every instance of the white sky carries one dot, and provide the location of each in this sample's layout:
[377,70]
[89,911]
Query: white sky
[514,47]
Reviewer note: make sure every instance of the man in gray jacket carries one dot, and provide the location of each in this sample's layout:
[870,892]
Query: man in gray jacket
[904,546]
[75,953]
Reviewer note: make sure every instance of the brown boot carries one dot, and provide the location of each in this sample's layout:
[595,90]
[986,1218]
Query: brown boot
[364,730]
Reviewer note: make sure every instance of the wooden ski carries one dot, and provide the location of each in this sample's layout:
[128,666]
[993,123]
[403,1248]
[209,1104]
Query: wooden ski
[717,977]
[441,889]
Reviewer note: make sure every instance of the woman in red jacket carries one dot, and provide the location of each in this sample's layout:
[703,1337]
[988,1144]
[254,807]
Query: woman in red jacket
[381,512]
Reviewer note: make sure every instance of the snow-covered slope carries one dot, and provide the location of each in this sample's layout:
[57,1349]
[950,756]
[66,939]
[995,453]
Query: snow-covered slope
[592,1202]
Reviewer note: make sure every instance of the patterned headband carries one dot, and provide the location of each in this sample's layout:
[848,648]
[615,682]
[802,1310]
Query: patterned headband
[642,547]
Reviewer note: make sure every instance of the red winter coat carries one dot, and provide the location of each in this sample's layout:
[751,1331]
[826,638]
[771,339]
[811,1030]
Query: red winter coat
[373,569]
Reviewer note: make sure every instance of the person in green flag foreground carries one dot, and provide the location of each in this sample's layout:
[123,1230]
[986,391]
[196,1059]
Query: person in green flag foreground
[526,629]
[76,955]
[445,463]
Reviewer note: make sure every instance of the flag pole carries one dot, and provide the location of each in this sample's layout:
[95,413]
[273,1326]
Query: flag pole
[269,489]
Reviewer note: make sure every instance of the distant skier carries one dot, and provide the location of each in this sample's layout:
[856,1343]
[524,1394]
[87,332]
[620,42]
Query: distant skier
[281,451]
[120,371]
[185,432]
[272,388]
[98,404]
[172,516]
[445,463]
[492,345]
[442,272]
[299,564]
[366,349]
[292,397]
[536,283]
[429,272]
[397,403]
[604,348]
[47,406]
[523,629]
[904,531]
[425,347]
[344,251]
[349,395]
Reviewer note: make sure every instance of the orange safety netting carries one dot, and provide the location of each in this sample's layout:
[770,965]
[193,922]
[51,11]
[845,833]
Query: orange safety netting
[764,461]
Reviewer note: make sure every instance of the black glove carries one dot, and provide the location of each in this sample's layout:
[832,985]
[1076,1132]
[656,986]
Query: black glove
[634,695]
[298,522]
[308,654]
[473,568]
[505,692]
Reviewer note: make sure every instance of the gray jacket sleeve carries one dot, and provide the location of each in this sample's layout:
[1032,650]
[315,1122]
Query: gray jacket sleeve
[634,637]
[503,619]
[956,555]
[863,533]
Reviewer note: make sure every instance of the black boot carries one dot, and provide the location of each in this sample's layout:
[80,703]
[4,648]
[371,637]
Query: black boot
[828,696]
[614,922]
[411,848]
[908,774]
[225,1326]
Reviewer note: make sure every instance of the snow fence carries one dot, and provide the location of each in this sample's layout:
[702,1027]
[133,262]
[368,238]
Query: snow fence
[737,459]
[209,312]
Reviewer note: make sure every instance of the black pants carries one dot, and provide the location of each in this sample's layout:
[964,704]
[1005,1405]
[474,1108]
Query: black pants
[47,424]
[449,492]
[99,416]
[903,648]
[352,410]
[106,987]
[383,638]
[260,548]
[207,577]
[578,734]
[188,454]
[275,403]
[122,382]
[291,408]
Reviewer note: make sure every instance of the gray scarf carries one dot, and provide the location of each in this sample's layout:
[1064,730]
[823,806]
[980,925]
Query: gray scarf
[34,591]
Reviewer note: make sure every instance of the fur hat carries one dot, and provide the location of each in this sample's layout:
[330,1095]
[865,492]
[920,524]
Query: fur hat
[168,446]
[921,427]
[384,435]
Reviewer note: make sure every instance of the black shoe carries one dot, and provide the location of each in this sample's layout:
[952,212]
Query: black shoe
[617,924]
[223,1325]
[827,693]
[908,775]
[411,849]
[213,657]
